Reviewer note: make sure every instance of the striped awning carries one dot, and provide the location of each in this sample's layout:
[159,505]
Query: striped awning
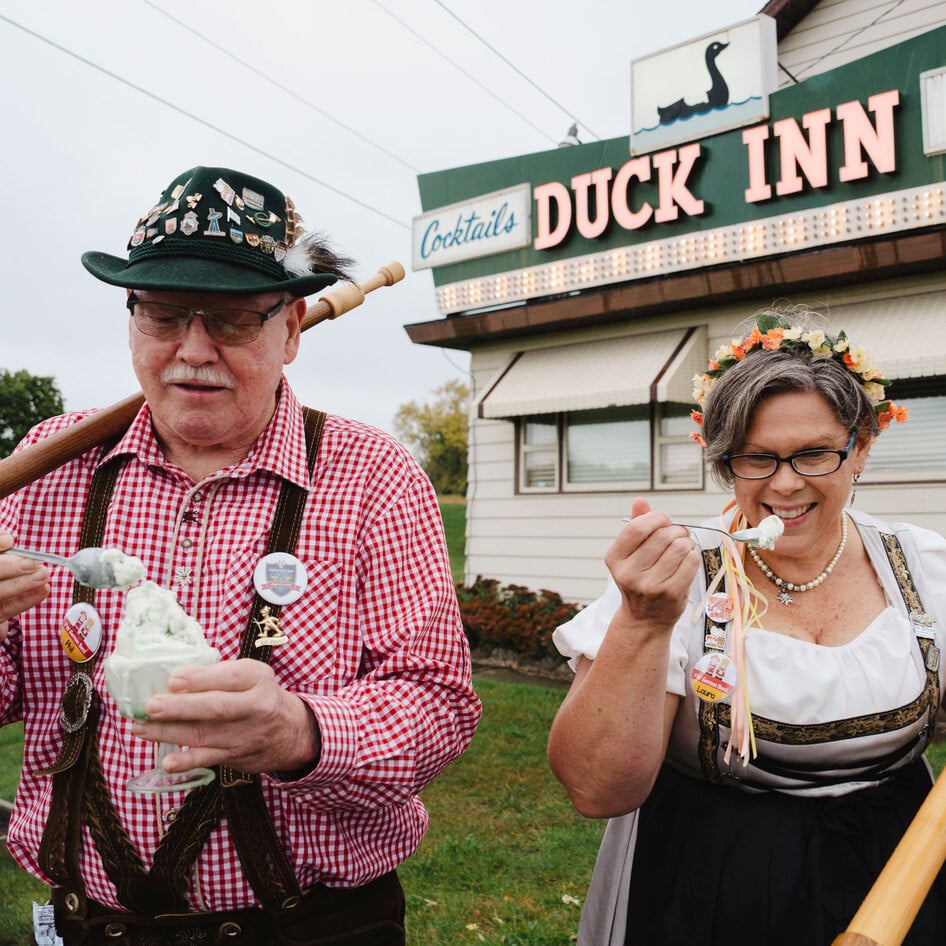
[612,372]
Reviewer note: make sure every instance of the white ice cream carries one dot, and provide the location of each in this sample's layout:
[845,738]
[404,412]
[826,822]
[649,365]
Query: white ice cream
[765,534]
[155,638]
[126,569]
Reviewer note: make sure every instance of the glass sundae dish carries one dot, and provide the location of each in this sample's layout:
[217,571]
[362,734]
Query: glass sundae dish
[155,638]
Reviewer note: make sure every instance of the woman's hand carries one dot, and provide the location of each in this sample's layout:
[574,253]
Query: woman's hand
[653,563]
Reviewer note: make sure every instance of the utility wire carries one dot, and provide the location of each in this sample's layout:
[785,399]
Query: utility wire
[514,67]
[282,88]
[848,39]
[472,78]
[212,127]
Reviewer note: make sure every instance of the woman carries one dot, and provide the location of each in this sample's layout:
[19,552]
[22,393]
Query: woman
[761,811]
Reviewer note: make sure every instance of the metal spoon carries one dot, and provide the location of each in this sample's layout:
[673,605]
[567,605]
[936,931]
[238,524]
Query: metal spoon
[740,535]
[86,565]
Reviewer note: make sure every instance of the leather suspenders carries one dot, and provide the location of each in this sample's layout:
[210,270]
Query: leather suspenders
[79,788]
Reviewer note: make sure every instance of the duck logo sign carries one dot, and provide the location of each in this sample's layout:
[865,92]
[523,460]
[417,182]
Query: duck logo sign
[705,86]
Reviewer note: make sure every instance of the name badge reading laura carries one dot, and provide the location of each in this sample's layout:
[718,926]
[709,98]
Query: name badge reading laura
[81,632]
[713,677]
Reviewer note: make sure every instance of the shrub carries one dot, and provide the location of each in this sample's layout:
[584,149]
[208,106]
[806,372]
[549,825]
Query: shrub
[512,617]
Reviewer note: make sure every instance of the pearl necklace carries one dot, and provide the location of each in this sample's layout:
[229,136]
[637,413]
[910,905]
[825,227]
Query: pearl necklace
[786,587]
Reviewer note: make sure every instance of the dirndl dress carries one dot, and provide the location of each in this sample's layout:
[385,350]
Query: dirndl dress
[784,849]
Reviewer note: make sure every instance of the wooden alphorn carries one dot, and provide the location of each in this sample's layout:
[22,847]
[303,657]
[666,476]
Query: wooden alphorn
[29,464]
[891,906]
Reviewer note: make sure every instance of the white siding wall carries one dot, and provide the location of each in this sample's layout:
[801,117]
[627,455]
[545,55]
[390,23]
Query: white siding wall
[557,541]
[837,32]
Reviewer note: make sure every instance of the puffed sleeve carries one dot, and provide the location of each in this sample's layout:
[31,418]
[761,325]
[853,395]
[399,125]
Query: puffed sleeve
[582,635]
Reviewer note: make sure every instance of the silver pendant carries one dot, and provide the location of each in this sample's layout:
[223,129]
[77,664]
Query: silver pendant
[784,597]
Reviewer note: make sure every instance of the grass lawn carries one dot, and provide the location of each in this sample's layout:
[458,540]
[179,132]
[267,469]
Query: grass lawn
[453,513]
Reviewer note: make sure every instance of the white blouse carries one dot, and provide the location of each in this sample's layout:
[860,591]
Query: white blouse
[795,681]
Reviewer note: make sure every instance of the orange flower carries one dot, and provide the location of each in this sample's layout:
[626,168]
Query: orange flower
[738,352]
[772,340]
[695,436]
[900,413]
[696,417]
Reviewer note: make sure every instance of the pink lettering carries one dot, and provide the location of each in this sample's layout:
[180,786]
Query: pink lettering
[620,204]
[545,195]
[754,139]
[860,135]
[672,183]
[581,184]
[810,155]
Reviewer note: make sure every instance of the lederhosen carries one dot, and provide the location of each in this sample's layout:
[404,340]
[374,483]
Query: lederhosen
[723,858]
[156,901]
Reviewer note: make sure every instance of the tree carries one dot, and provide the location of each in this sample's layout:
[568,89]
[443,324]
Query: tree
[25,400]
[437,435]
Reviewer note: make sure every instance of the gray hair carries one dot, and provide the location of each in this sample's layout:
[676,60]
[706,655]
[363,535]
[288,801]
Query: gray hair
[734,397]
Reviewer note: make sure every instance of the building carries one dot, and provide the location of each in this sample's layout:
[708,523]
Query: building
[590,283]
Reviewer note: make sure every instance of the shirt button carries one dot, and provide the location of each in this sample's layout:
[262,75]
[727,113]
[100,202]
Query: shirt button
[186,543]
[171,815]
[197,497]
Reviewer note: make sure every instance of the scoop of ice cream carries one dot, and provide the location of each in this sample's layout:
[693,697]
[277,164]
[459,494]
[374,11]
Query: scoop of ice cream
[764,535]
[155,638]
[126,570]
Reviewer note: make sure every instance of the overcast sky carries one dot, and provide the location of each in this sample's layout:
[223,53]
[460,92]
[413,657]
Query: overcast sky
[340,104]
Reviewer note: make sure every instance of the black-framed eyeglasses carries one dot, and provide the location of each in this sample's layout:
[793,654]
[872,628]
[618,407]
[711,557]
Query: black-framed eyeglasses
[227,326]
[760,466]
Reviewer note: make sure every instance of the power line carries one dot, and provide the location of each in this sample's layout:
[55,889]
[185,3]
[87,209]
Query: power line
[515,68]
[850,37]
[197,118]
[472,78]
[282,88]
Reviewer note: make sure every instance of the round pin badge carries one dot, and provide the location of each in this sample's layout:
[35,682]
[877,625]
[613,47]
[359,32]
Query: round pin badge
[279,578]
[719,608]
[713,677]
[81,632]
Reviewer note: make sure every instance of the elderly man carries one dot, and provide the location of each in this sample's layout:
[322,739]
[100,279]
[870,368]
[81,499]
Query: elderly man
[310,550]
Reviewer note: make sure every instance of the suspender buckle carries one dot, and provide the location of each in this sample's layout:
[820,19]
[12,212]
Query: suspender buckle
[76,702]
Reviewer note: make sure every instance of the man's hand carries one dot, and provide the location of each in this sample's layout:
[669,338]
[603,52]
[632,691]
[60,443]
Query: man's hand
[232,713]
[23,584]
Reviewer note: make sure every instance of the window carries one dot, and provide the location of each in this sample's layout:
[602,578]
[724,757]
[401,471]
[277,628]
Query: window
[613,449]
[914,450]
[538,453]
[679,456]
[607,448]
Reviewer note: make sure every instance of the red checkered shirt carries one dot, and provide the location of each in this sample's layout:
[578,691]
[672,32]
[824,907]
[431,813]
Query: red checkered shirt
[375,647]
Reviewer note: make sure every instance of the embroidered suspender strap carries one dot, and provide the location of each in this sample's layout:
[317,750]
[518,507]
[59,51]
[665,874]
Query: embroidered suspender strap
[922,625]
[264,861]
[78,763]
[708,747]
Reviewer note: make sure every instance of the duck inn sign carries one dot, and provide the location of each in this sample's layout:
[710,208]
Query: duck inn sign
[840,159]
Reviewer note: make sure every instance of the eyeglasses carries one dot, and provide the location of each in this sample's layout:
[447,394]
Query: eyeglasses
[760,466]
[225,326]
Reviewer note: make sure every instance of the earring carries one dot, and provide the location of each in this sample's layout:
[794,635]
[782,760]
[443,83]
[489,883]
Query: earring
[854,481]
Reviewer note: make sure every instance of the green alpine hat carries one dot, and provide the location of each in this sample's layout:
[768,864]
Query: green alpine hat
[215,230]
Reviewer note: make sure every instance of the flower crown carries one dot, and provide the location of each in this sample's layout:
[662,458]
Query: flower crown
[774,333]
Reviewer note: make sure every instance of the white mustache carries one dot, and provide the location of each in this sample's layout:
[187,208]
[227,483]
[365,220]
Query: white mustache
[202,374]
